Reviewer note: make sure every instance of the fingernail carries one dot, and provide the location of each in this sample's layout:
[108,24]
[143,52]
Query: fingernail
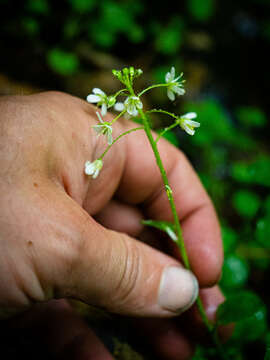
[178,289]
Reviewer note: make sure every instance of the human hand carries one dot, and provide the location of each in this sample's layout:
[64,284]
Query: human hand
[54,223]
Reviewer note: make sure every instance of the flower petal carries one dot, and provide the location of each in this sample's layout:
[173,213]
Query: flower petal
[103,109]
[171,95]
[178,90]
[172,72]
[99,117]
[190,115]
[93,98]
[109,138]
[98,92]
[139,105]
[168,77]
[89,168]
[119,106]
[193,123]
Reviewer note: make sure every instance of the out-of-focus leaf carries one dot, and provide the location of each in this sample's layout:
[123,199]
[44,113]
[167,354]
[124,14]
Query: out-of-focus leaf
[246,203]
[262,232]
[252,328]
[135,34]
[267,350]
[82,6]
[63,62]
[30,25]
[251,116]
[115,17]
[229,238]
[201,10]
[216,126]
[239,307]
[38,6]
[256,172]
[267,205]
[235,272]
[170,38]
[165,226]
[71,28]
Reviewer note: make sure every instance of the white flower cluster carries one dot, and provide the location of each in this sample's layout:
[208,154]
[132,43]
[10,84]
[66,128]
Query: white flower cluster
[101,99]
[187,124]
[93,168]
[131,107]
[174,86]
[104,128]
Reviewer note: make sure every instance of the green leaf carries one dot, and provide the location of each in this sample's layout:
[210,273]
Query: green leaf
[256,172]
[251,116]
[38,6]
[170,38]
[165,226]
[235,272]
[63,62]
[239,307]
[246,203]
[201,10]
[262,232]
[82,6]
[229,238]
[267,351]
[216,125]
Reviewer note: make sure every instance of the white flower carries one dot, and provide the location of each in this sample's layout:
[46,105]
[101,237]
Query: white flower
[131,104]
[101,99]
[93,168]
[175,86]
[187,124]
[104,128]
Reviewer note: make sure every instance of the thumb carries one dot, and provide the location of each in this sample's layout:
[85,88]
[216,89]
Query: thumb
[116,272]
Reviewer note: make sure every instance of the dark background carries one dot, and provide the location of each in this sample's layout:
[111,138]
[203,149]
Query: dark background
[223,49]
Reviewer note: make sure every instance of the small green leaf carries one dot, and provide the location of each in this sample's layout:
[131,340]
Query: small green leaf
[63,62]
[246,203]
[235,272]
[251,116]
[170,38]
[262,232]
[229,238]
[165,226]
[38,6]
[239,307]
[201,10]
[82,6]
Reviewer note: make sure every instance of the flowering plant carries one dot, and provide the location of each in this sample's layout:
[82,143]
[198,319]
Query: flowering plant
[132,106]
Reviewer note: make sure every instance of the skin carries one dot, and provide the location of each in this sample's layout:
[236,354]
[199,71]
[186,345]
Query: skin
[64,235]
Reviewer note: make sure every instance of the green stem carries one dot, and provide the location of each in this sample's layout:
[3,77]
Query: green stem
[118,116]
[119,137]
[180,240]
[166,130]
[162,112]
[119,92]
[151,87]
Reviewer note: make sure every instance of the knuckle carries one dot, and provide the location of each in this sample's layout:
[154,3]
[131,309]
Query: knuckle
[129,273]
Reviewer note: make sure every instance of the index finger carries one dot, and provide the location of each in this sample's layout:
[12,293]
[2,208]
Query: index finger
[141,183]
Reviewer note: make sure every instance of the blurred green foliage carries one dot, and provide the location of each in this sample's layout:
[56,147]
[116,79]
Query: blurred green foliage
[222,48]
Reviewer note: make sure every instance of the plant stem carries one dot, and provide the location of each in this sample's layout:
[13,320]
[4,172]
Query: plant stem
[118,116]
[180,240]
[119,137]
[165,130]
[151,87]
